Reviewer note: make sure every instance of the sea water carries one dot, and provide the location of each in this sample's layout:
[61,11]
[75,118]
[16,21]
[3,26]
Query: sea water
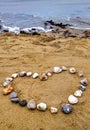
[28,13]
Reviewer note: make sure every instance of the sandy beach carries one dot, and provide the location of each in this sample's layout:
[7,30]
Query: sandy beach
[40,53]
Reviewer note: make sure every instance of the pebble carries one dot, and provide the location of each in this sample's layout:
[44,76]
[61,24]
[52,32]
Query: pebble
[6,83]
[64,68]
[13,95]
[43,77]
[78,93]
[9,79]
[28,74]
[72,70]
[82,87]
[22,73]
[8,89]
[23,103]
[80,74]
[53,110]
[35,75]
[31,105]
[66,108]
[84,81]
[15,75]
[49,74]
[72,99]
[57,70]
[15,100]
[41,107]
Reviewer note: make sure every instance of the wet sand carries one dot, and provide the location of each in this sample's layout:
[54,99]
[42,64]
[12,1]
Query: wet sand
[40,53]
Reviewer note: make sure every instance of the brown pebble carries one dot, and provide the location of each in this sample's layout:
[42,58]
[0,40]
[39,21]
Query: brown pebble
[7,90]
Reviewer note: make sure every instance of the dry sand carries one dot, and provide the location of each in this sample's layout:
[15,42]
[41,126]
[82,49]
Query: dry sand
[39,54]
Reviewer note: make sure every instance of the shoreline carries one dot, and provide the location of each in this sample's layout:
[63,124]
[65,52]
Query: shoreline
[64,30]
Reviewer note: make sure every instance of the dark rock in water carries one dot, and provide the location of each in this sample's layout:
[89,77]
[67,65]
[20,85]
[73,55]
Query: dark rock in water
[82,87]
[66,108]
[23,103]
[63,26]
[13,95]
[31,105]
[15,100]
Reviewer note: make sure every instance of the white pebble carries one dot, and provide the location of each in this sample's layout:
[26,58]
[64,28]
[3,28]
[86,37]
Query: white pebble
[49,74]
[14,75]
[72,99]
[64,68]
[78,93]
[28,74]
[6,83]
[35,75]
[57,70]
[53,110]
[80,74]
[41,106]
[9,79]
[72,70]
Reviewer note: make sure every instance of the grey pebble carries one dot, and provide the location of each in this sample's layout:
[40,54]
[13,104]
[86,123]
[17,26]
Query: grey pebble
[15,100]
[13,95]
[66,108]
[31,105]
[82,87]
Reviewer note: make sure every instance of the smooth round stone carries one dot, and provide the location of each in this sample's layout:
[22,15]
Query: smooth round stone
[35,75]
[6,83]
[78,93]
[80,74]
[22,73]
[15,100]
[57,70]
[84,81]
[49,74]
[72,99]
[22,103]
[82,87]
[66,108]
[13,95]
[15,75]
[53,110]
[31,105]
[28,74]
[72,70]
[64,68]
[43,77]
[9,79]
[41,107]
